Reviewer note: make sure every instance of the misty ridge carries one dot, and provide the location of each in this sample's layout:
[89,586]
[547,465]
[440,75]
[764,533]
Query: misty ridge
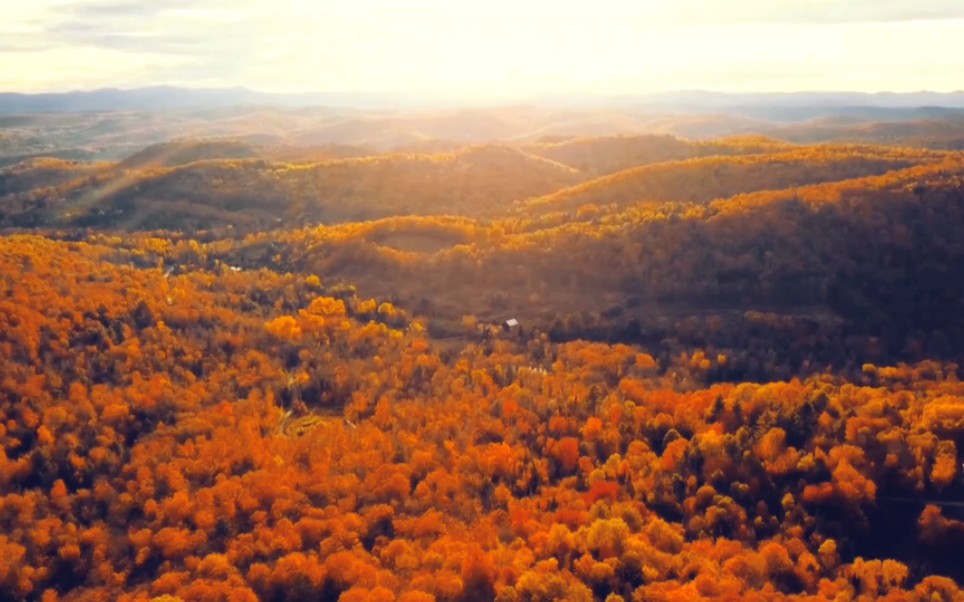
[110,124]
[693,101]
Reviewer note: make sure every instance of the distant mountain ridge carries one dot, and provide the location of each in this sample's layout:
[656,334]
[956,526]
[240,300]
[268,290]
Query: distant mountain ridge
[790,106]
[787,106]
[707,99]
[170,97]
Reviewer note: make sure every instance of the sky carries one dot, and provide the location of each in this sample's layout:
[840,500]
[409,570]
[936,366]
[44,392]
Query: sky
[489,49]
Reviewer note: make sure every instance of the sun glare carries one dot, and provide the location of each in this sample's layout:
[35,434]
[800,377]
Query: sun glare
[491,50]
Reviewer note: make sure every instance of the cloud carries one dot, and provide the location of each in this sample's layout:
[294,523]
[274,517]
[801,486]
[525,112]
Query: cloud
[20,43]
[180,27]
[495,47]
[80,33]
[813,11]
[135,9]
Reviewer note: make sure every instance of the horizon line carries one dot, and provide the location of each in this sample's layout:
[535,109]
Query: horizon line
[537,94]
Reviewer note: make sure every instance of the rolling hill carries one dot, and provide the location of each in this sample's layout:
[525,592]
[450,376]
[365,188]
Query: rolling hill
[249,193]
[706,178]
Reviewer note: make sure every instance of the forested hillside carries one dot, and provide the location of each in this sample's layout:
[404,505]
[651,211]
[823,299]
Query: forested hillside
[237,369]
[255,194]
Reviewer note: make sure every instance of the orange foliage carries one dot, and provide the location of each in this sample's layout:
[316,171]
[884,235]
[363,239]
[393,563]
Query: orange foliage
[215,433]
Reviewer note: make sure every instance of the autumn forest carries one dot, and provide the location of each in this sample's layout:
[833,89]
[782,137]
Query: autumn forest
[479,355]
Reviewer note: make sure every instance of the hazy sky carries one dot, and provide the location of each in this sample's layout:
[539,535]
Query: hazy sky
[484,48]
